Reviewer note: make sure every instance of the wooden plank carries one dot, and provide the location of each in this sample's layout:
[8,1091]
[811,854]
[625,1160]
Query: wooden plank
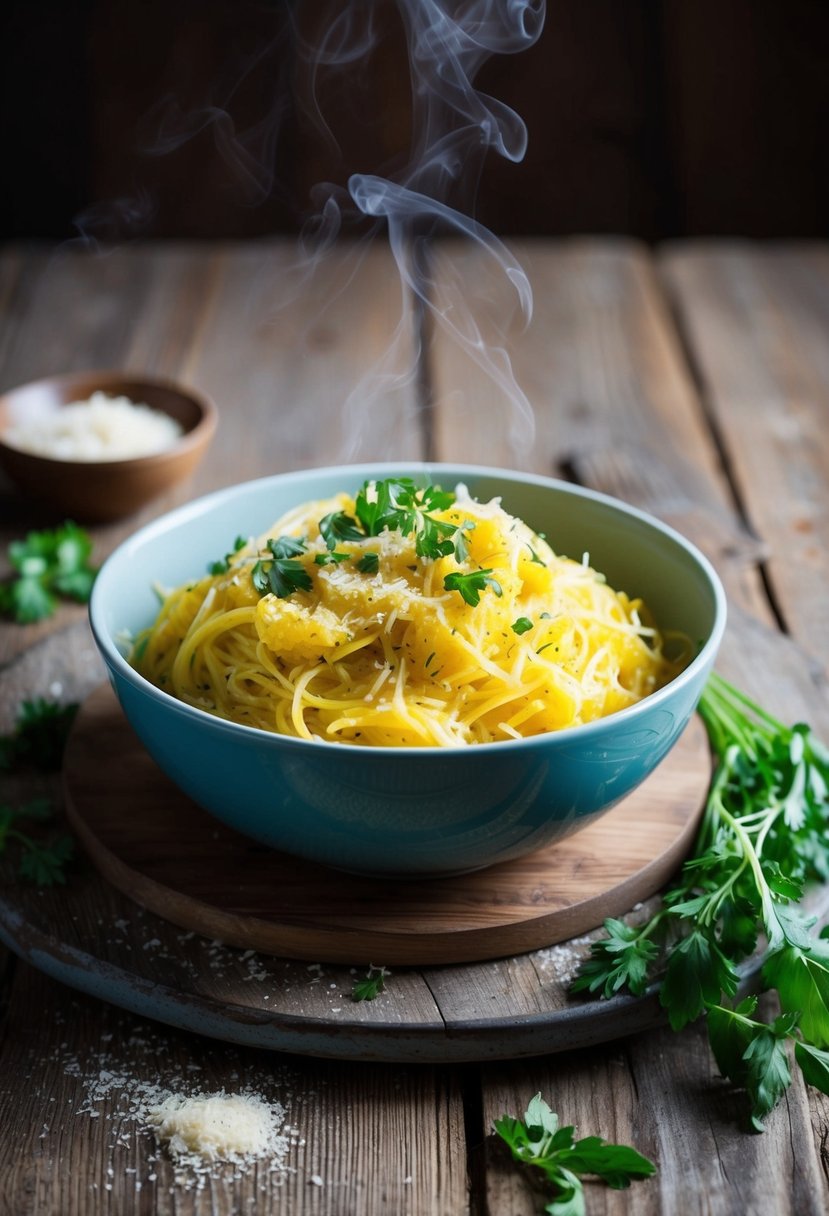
[665,1098]
[756,319]
[135,308]
[617,408]
[283,347]
[366,1139]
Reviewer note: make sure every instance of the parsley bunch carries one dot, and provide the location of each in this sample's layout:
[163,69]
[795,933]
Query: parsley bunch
[538,1141]
[47,565]
[763,836]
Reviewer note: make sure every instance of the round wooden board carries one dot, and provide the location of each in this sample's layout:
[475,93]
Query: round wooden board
[163,851]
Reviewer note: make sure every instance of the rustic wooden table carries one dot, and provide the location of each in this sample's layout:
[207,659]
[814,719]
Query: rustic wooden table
[693,382]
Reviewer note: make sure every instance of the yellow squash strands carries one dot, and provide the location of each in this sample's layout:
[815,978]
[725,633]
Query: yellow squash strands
[389,656]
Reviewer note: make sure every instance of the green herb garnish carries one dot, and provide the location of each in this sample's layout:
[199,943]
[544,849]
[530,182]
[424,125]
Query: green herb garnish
[48,565]
[338,527]
[42,862]
[284,575]
[371,985]
[39,736]
[764,834]
[471,585]
[539,1141]
[522,625]
[395,504]
[223,565]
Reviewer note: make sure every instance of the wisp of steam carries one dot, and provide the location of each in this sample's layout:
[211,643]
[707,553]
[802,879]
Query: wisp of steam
[429,194]
[454,126]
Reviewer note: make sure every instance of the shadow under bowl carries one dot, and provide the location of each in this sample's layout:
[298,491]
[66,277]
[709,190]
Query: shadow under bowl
[97,491]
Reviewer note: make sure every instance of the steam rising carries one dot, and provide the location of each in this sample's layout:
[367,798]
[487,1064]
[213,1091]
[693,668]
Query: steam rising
[454,126]
[428,193]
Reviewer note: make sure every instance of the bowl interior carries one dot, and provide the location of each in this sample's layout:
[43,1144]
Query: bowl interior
[637,554]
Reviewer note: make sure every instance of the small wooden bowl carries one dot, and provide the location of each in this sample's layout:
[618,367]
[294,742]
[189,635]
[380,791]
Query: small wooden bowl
[95,491]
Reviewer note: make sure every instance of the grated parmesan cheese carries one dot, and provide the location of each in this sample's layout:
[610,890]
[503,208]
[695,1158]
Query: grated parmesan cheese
[101,428]
[217,1127]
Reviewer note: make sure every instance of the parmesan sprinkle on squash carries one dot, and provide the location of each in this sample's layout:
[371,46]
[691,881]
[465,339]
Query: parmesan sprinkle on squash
[368,642]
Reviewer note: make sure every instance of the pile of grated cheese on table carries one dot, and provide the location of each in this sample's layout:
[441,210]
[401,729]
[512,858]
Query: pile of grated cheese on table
[218,1127]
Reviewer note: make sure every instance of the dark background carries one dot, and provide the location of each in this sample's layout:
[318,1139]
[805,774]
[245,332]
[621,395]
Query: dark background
[657,118]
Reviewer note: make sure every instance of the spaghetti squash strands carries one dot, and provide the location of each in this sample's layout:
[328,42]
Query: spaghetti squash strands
[457,625]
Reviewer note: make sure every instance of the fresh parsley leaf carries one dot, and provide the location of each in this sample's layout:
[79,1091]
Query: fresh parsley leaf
[697,974]
[333,558]
[371,985]
[540,1142]
[42,862]
[521,625]
[471,585]
[48,564]
[338,526]
[814,1064]
[223,565]
[39,736]
[802,983]
[398,504]
[286,546]
[31,600]
[45,864]
[620,960]
[281,577]
[369,563]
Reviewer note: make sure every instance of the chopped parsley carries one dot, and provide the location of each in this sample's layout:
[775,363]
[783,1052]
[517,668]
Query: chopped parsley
[284,575]
[223,565]
[338,526]
[522,625]
[471,585]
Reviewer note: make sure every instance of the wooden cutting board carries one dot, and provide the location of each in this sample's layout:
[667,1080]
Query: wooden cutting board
[162,850]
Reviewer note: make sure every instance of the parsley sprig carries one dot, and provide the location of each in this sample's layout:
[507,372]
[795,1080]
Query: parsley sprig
[285,574]
[223,564]
[48,565]
[39,736]
[394,505]
[371,984]
[764,834]
[42,862]
[540,1142]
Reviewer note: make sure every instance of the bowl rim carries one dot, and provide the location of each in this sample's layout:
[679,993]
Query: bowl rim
[198,434]
[361,472]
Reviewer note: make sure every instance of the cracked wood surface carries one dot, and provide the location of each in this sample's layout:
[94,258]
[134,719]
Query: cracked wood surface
[693,382]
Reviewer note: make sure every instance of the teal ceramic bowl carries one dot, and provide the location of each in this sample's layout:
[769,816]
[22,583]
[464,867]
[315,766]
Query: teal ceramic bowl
[423,810]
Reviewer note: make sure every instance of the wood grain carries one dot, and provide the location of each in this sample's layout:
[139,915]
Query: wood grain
[757,319]
[674,419]
[172,857]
